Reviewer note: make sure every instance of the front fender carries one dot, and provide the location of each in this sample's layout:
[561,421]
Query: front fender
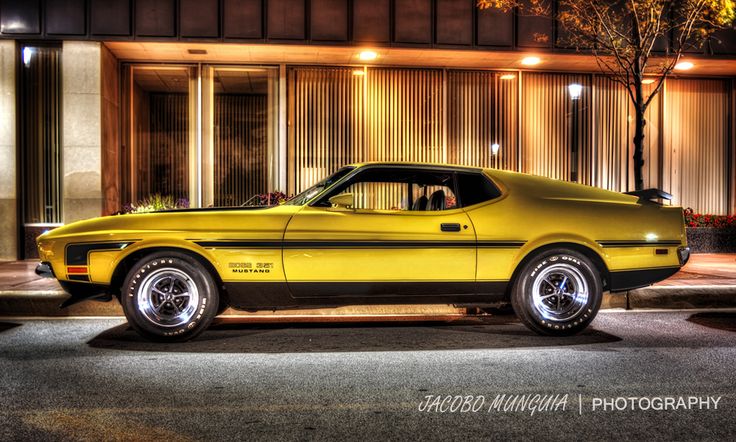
[102,265]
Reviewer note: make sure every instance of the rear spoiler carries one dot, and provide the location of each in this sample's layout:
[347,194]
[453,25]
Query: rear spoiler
[650,195]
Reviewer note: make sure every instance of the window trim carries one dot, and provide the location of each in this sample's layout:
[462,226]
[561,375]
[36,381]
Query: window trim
[327,192]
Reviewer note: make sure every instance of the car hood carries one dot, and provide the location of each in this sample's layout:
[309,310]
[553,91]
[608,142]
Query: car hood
[204,220]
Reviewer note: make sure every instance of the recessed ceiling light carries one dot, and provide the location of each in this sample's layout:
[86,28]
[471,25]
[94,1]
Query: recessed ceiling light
[367,55]
[358,72]
[507,77]
[684,66]
[647,81]
[197,51]
[530,61]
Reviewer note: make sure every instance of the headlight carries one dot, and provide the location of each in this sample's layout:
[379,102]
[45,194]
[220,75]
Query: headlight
[45,250]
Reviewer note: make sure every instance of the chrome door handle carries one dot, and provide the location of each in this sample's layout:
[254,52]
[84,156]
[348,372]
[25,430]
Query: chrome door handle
[450,227]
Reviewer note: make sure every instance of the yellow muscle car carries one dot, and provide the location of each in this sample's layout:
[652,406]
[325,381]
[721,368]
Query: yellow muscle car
[377,233]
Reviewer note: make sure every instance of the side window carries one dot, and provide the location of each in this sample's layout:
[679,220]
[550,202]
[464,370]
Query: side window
[379,195]
[475,188]
[433,197]
[399,190]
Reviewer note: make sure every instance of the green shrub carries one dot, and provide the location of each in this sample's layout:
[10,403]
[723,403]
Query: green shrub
[156,202]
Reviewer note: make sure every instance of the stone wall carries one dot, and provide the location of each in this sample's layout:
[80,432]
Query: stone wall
[711,240]
[82,148]
[8,203]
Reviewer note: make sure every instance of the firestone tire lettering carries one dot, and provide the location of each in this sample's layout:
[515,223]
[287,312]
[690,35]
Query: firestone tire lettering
[204,311]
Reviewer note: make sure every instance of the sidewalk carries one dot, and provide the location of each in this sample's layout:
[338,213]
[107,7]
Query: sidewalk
[707,281]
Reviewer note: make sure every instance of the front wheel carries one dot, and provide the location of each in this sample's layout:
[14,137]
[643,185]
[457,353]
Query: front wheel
[557,293]
[169,297]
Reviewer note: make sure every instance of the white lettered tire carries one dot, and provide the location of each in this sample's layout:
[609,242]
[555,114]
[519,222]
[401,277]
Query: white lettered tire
[557,293]
[170,297]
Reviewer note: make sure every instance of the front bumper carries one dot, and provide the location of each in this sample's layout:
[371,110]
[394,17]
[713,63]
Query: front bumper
[44,270]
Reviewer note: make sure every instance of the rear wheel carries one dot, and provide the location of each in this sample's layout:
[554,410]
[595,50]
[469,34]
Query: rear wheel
[557,293]
[169,297]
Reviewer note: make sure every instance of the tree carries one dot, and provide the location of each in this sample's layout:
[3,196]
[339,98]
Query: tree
[622,35]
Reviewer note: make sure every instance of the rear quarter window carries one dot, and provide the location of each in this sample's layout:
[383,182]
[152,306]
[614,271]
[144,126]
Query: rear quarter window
[474,188]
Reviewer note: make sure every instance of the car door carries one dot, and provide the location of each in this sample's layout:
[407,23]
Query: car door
[380,246]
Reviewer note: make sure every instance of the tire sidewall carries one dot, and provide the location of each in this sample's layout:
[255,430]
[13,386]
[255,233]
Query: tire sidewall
[522,296]
[206,308]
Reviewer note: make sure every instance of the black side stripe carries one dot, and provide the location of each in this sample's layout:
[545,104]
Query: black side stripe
[240,244]
[501,244]
[76,254]
[358,244]
[615,243]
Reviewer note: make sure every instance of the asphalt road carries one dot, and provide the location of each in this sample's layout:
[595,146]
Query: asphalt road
[95,379]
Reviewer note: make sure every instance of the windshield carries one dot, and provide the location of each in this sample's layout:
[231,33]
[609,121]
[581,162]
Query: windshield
[310,193]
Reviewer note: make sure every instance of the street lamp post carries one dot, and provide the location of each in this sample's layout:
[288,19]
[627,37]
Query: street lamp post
[575,90]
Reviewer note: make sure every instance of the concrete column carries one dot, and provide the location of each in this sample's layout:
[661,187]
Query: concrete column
[8,203]
[82,140]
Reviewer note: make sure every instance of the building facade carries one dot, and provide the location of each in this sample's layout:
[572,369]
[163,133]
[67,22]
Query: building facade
[104,103]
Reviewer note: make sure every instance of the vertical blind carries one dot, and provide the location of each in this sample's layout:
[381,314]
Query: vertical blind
[240,147]
[611,136]
[547,122]
[456,115]
[337,117]
[696,140]
[326,122]
[482,111]
[405,115]
[162,148]
[40,134]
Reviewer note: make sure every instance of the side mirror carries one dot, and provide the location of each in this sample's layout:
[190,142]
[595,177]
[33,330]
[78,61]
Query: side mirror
[343,200]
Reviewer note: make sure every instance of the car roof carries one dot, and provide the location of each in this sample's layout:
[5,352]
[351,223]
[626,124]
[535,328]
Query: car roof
[417,165]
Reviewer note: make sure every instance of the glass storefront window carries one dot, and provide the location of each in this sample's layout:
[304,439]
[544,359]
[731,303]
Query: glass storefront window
[205,134]
[162,139]
[239,133]
[39,109]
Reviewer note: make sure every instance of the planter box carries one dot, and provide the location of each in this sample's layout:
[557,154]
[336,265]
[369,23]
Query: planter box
[711,240]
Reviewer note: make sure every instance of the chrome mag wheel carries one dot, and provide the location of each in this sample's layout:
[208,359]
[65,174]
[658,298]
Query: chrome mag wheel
[560,292]
[168,297]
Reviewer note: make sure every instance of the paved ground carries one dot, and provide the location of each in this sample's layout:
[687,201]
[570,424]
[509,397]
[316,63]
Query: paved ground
[95,379]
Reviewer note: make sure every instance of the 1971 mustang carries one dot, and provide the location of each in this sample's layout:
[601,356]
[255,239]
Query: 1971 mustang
[377,233]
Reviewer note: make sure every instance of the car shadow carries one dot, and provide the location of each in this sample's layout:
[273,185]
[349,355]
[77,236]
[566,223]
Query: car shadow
[236,335]
[718,320]
[5,326]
